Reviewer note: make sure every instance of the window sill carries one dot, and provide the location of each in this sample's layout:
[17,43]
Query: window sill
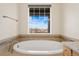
[39,33]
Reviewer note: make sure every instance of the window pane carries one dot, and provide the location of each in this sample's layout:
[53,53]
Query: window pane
[31,14]
[31,10]
[37,10]
[47,10]
[36,14]
[42,10]
[39,20]
[41,14]
[48,15]
[38,24]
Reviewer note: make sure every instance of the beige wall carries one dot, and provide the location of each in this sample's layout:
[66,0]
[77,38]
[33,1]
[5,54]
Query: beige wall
[56,18]
[8,28]
[70,20]
[23,17]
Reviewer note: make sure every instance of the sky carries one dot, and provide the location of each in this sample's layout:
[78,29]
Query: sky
[38,22]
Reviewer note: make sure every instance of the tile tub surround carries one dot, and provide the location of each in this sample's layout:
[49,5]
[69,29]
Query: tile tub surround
[4,45]
[56,37]
[5,52]
[39,37]
[73,46]
[7,41]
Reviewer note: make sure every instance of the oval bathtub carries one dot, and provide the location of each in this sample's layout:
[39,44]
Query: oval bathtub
[39,47]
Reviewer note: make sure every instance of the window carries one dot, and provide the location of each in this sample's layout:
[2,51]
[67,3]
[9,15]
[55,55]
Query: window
[39,19]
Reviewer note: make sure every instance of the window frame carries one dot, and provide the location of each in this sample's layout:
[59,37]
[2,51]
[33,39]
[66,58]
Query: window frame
[28,32]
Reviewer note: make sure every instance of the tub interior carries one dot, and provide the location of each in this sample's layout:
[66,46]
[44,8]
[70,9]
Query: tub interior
[39,45]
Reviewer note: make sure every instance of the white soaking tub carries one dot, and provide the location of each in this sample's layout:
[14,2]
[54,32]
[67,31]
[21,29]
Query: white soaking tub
[39,47]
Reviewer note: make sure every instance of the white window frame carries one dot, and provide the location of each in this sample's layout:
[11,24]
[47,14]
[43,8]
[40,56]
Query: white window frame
[50,23]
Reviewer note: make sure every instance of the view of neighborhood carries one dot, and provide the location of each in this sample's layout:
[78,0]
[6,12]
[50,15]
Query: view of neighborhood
[38,30]
[38,24]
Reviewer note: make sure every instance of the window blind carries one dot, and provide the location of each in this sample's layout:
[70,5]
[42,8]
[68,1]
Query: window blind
[39,6]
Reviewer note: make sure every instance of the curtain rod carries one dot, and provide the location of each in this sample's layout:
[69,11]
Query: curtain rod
[10,18]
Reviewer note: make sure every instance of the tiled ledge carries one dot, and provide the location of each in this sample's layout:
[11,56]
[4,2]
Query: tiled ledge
[36,37]
[57,37]
[70,38]
[7,41]
[40,36]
